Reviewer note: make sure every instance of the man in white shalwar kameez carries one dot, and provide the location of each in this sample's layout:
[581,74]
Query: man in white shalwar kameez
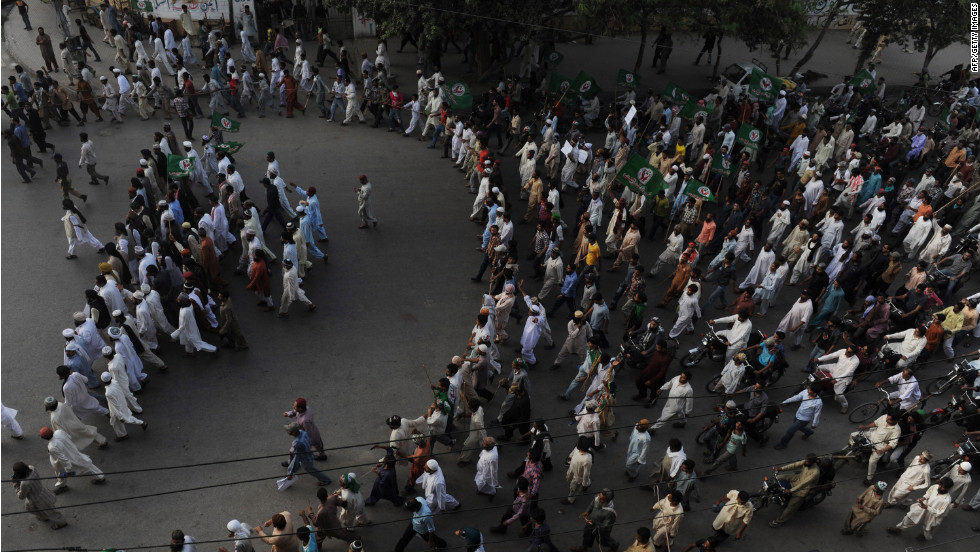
[109,291]
[915,478]
[761,267]
[917,235]
[187,332]
[76,232]
[64,418]
[486,468]
[679,402]
[119,412]
[434,486]
[845,363]
[117,369]
[687,309]
[291,290]
[533,328]
[736,336]
[134,365]
[929,511]
[144,321]
[77,397]
[223,239]
[670,255]
[9,417]
[799,315]
[66,459]
[636,452]
[938,245]
[151,298]
[780,221]
[745,243]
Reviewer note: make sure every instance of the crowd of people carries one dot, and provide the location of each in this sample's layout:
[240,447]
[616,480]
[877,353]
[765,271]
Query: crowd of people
[849,199]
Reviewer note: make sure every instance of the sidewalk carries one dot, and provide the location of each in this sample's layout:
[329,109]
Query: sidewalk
[602,59]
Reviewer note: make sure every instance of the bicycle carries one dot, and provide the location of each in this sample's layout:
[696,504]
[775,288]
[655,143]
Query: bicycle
[870,410]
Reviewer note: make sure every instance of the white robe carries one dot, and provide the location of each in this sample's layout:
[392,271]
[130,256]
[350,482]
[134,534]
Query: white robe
[936,507]
[639,445]
[917,234]
[746,242]
[134,366]
[679,402]
[77,397]
[687,309]
[434,487]
[82,435]
[248,54]
[152,299]
[917,475]
[801,311]
[117,368]
[119,407]
[65,456]
[113,298]
[780,222]
[936,247]
[91,338]
[486,472]
[161,57]
[731,376]
[147,328]
[188,334]
[759,269]
[533,327]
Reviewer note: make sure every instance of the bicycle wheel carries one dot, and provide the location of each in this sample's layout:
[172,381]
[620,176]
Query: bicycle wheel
[937,386]
[864,412]
[710,386]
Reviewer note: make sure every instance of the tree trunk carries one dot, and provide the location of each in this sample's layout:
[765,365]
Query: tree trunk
[643,46]
[834,10]
[930,53]
[866,47]
[714,70]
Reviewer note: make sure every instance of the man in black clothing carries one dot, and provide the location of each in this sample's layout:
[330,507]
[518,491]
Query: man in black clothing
[273,209]
[63,178]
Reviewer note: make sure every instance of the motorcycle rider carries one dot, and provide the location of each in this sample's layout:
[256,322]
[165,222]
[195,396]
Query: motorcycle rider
[801,484]
[883,436]
[913,341]
[908,393]
[645,341]
[738,335]
[771,356]
[959,266]
[718,429]
[755,408]
[845,362]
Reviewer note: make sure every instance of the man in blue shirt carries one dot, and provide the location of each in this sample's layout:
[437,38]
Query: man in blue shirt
[421,525]
[568,290]
[808,414]
[598,315]
[302,456]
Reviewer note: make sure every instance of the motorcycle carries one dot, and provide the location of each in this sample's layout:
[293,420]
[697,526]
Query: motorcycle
[765,422]
[776,491]
[895,313]
[965,449]
[960,409]
[821,380]
[860,451]
[712,346]
[962,372]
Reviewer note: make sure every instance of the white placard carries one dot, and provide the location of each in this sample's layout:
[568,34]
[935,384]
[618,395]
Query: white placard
[630,115]
[566,149]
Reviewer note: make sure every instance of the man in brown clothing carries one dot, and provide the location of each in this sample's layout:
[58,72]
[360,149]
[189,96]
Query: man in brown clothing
[283,538]
[228,327]
[43,42]
[325,519]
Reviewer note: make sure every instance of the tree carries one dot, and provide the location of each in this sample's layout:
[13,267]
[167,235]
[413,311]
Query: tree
[882,18]
[832,12]
[625,16]
[435,19]
[936,25]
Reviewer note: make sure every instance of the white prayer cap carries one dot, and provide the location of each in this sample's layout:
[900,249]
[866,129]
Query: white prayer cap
[482,348]
[535,309]
[966,466]
[487,171]
[674,167]
[782,92]
[139,250]
[432,464]
[143,163]
[261,75]
[500,248]
[418,71]
[457,360]
[501,212]
[79,316]
[106,377]
[115,332]
[145,288]
[138,295]
[234,525]
[495,190]
[188,144]
[300,209]
[116,313]
[71,347]
[107,350]
[509,288]
[162,203]
[116,71]
[785,202]
[168,216]
[103,78]
[66,333]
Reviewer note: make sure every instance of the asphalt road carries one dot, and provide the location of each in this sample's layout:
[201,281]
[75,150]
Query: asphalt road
[391,300]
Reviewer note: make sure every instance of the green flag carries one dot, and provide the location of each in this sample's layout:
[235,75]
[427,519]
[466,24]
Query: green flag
[641,177]
[749,136]
[721,165]
[585,85]
[229,147]
[558,83]
[458,95]
[224,123]
[553,57]
[945,118]
[864,82]
[627,78]
[698,190]
[178,166]
[677,94]
[763,86]
[692,110]
[143,6]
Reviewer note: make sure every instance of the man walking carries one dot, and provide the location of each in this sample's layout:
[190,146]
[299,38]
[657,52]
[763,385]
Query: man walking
[88,159]
[364,206]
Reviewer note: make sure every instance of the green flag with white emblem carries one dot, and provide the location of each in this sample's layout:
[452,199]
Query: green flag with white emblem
[641,177]
[627,78]
[585,85]
[864,82]
[458,95]
[721,165]
[178,166]
[677,94]
[224,123]
[763,86]
[749,136]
